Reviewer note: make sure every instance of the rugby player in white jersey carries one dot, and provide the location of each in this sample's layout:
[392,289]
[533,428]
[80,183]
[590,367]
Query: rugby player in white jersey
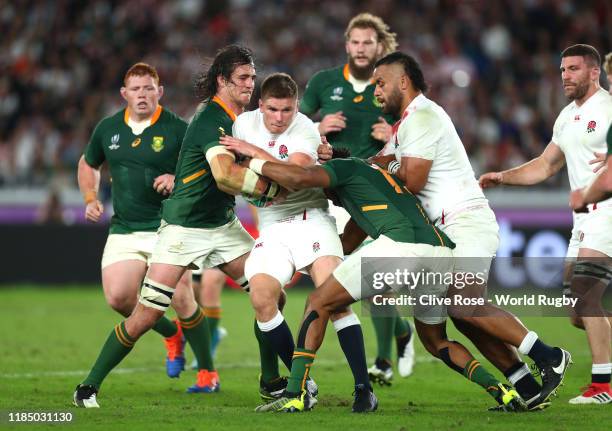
[579,132]
[427,154]
[297,234]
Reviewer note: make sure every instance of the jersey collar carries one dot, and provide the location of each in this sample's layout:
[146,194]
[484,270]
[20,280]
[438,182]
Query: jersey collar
[226,108]
[346,73]
[154,117]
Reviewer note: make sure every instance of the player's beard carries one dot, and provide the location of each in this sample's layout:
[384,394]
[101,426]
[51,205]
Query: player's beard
[362,73]
[579,91]
[393,104]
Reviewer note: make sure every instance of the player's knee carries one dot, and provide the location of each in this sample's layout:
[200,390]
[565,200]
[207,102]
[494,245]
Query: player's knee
[264,301]
[183,304]
[121,303]
[155,295]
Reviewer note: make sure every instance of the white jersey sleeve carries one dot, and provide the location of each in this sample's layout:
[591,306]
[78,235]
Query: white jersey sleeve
[419,134]
[305,136]
[427,132]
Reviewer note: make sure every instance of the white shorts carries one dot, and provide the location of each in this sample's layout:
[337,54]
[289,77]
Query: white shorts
[128,246]
[475,233]
[423,257]
[201,248]
[340,215]
[286,247]
[592,230]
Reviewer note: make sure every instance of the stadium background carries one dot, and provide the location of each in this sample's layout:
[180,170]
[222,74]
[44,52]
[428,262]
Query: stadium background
[493,65]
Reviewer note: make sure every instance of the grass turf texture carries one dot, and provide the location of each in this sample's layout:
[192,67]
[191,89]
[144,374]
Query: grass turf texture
[52,336]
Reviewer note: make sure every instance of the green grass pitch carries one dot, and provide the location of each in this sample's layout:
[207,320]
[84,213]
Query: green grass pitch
[52,336]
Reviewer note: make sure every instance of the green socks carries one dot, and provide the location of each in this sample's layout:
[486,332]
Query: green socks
[384,328]
[165,327]
[300,368]
[197,334]
[476,373]
[213,315]
[117,346]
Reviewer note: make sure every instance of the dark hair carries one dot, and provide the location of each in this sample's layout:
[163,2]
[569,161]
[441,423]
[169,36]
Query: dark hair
[224,64]
[411,67]
[341,153]
[589,53]
[280,86]
[141,69]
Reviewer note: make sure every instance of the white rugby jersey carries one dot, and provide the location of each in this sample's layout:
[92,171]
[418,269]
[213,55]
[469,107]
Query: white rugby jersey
[580,131]
[302,136]
[425,131]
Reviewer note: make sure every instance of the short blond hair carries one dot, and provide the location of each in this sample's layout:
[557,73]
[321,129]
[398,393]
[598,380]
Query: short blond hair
[383,33]
[607,63]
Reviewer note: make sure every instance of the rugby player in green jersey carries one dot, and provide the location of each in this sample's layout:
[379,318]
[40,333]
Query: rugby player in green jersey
[381,207]
[198,222]
[140,144]
[352,118]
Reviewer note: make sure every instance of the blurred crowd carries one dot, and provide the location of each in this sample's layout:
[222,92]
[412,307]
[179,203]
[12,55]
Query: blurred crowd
[493,64]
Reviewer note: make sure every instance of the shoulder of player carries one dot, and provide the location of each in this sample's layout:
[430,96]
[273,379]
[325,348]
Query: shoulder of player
[302,122]
[169,116]
[247,118]
[212,114]
[425,117]
[114,119]
[326,75]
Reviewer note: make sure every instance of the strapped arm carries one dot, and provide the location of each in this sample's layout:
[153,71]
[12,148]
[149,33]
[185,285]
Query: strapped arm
[234,179]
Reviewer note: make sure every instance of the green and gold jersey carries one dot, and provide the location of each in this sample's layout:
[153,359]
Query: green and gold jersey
[380,204]
[330,91]
[196,200]
[134,162]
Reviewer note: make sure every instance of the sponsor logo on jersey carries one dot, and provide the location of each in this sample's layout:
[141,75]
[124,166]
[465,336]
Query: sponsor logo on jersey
[337,94]
[136,142]
[358,99]
[591,126]
[316,246]
[259,244]
[113,146]
[576,117]
[115,139]
[283,152]
[271,144]
[158,143]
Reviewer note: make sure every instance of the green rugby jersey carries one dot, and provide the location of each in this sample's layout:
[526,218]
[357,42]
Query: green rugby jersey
[380,204]
[134,162]
[196,200]
[609,140]
[330,91]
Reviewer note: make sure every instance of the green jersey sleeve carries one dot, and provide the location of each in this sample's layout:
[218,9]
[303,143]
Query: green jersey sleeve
[310,102]
[94,153]
[609,140]
[339,170]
